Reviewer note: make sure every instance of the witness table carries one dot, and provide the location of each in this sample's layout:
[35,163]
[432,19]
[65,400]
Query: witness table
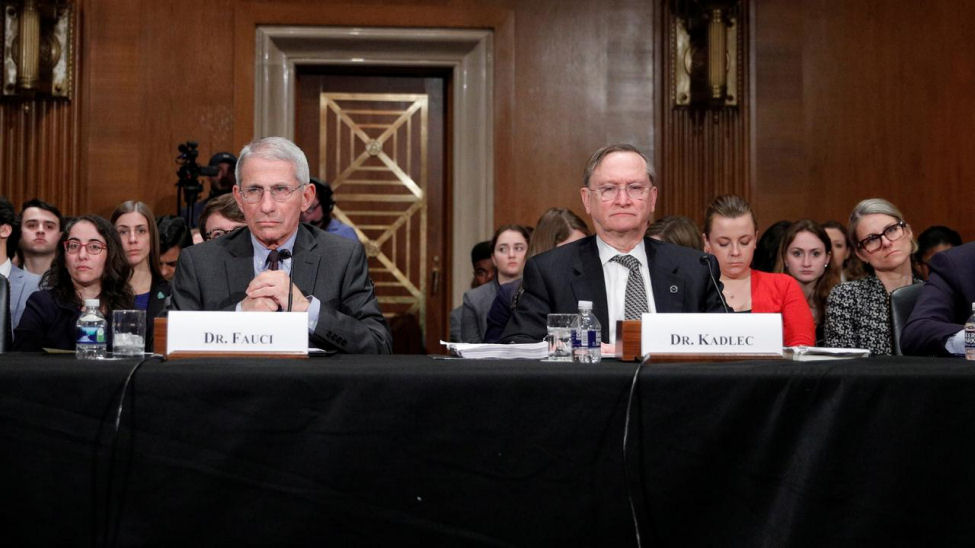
[408,450]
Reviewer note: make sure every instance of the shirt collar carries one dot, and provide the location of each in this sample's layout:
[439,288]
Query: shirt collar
[6,267]
[261,252]
[607,252]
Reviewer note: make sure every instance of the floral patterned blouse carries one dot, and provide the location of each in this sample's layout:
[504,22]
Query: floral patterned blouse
[858,316]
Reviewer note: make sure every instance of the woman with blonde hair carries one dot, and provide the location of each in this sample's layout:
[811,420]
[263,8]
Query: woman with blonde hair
[858,312]
[730,233]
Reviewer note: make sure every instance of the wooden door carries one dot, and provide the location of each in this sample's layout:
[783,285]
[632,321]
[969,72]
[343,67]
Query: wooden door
[378,139]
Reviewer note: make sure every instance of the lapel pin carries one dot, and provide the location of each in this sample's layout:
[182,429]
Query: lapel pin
[673,289]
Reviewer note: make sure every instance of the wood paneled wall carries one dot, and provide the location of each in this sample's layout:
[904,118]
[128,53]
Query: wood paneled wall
[848,100]
[703,153]
[864,99]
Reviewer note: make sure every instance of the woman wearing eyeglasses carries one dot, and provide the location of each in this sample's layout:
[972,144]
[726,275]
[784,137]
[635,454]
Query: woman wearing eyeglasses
[220,216]
[89,263]
[858,312]
[136,226]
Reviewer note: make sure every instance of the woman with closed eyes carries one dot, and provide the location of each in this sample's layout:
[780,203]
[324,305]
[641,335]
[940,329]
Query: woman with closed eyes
[730,234]
[89,263]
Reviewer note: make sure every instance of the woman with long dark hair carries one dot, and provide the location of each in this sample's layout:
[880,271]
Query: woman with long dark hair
[89,263]
[136,226]
[805,254]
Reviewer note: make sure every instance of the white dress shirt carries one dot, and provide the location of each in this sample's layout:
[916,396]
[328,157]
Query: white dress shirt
[6,267]
[616,275]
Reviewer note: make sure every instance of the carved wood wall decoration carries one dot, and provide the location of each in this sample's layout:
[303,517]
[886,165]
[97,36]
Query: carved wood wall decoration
[39,153]
[702,154]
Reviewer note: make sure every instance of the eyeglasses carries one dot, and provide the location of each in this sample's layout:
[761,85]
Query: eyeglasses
[93,247]
[312,207]
[280,193]
[218,232]
[892,232]
[609,193]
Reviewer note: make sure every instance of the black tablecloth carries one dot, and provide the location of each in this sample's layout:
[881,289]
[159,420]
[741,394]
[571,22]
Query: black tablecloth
[360,450]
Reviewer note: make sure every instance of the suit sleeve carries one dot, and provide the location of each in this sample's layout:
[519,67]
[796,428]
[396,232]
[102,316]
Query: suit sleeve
[469,332]
[937,314]
[798,327]
[352,322]
[186,293]
[529,319]
[36,320]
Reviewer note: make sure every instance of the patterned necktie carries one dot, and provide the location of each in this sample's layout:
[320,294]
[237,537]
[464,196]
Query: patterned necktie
[636,294]
[273,256]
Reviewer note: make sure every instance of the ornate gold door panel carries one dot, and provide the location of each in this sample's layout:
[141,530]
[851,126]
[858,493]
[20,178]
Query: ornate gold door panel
[373,151]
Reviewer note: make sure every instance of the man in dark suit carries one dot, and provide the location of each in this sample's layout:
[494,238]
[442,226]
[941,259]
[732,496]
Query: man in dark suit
[937,323]
[621,271]
[276,262]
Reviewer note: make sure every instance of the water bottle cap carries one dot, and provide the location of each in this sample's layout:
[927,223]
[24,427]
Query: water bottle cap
[585,305]
[91,302]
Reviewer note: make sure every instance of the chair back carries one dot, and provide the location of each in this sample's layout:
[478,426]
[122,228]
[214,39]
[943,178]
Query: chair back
[6,334]
[902,302]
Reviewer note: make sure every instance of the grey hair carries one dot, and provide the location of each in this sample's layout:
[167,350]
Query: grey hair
[275,148]
[872,206]
[598,157]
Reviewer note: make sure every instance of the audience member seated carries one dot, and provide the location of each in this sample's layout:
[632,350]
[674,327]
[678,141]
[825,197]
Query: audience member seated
[806,255]
[556,227]
[933,240]
[678,230]
[483,273]
[40,230]
[767,248]
[220,216]
[620,270]
[937,323]
[844,261]
[136,227]
[22,283]
[509,248]
[277,263]
[319,213]
[730,233]
[89,263]
[858,312]
[174,235]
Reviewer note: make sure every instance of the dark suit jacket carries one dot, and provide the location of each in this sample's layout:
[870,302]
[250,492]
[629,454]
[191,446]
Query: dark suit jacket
[214,275]
[557,280]
[944,304]
[50,323]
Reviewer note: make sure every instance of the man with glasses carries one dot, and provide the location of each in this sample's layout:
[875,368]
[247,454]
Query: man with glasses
[620,270]
[319,213]
[277,263]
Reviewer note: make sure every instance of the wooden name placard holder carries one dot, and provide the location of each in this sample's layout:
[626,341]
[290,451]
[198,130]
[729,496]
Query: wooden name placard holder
[628,334]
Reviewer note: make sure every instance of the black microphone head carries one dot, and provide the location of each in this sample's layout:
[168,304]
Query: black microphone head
[704,258]
[284,254]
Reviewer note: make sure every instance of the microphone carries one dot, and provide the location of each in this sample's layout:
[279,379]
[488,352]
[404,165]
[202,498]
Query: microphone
[706,260]
[282,255]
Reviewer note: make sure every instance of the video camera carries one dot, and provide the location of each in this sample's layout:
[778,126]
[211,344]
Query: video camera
[189,172]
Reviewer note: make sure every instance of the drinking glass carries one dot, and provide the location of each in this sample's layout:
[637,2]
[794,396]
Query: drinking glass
[128,332]
[559,337]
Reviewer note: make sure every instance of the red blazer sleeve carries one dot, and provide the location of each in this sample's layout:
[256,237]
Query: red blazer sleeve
[781,293]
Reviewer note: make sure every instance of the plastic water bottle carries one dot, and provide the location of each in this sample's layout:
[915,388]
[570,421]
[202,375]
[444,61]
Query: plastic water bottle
[91,332]
[970,336]
[587,337]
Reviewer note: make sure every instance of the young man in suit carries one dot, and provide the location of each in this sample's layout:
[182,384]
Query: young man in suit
[22,282]
[277,260]
[620,270]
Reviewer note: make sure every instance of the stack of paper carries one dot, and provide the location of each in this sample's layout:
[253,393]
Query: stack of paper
[527,351]
[809,353]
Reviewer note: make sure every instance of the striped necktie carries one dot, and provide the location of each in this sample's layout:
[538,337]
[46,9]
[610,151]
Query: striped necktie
[635,300]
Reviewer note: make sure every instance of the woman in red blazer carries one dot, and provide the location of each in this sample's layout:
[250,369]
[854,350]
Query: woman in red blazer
[730,233]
